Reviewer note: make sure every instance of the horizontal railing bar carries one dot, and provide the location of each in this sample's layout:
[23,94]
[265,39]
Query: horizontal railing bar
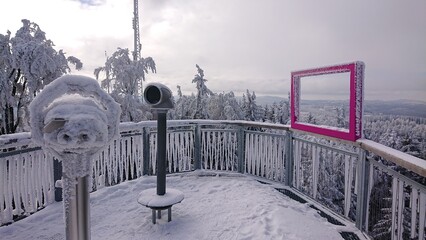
[19,151]
[327,147]
[131,134]
[217,130]
[266,134]
[396,174]
[355,144]
[405,160]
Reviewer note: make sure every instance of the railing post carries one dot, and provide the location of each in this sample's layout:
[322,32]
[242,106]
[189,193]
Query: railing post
[240,149]
[289,159]
[146,156]
[57,176]
[197,147]
[362,190]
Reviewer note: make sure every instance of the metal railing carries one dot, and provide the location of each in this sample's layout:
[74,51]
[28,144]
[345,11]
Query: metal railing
[380,189]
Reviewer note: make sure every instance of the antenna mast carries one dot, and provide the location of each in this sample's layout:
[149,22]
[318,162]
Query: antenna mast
[137,41]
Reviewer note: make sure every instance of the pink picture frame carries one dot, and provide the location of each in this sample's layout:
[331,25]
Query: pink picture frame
[356,70]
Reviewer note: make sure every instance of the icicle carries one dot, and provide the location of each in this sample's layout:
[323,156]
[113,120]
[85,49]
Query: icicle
[315,169]
[397,210]
[211,144]
[153,151]
[115,161]
[25,190]
[168,153]
[422,215]
[296,157]
[126,159]
[348,183]
[109,163]
[16,183]
[414,200]
[258,149]
[247,154]
[8,215]
[182,158]
[280,168]
[2,191]
[273,168]
[219,151]
[261,159]
[400,208]
[132,157]
[204,149]
[225,151]
[177,157]
[186,153]
[370,188]
[35,186]
[394,206]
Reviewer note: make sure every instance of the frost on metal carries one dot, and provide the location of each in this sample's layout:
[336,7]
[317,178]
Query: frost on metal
[71,107]
[359,87]
[73,119]
[356,79]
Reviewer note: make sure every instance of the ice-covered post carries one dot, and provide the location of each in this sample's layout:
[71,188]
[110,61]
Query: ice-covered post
[159,97]
[73,118]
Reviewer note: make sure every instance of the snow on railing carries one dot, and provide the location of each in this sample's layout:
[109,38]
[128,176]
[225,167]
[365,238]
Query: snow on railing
[219,149]
[26,183]
[122,160]
[396,202]
[265,155]
[180,151]
[326,174]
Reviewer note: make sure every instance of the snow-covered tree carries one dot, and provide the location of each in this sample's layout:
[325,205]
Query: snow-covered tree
[281,112]
[28,62]
[185,106]
[123,79]
[202,93]
[250,108]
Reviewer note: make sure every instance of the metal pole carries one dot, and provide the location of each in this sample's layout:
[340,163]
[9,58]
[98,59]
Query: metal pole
[146,156]
[362,191]
[240,152]
[78,219]
[197,147]
[57,175]
[161,151]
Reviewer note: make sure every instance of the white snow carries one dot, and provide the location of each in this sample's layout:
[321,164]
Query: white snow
[149,198]
[71,98]
[229,206]
[409,162]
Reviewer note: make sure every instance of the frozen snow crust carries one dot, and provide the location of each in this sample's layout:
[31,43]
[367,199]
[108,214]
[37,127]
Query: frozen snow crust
[149,198]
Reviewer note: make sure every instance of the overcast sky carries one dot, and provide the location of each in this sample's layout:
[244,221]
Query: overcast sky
[243,44]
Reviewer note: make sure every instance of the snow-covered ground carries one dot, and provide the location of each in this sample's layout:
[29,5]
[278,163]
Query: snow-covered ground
[225,206]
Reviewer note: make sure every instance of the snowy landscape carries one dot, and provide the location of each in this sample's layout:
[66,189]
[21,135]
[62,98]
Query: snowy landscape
[245,173]
[217,205]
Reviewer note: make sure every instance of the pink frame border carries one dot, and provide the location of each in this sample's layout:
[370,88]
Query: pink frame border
[356,70]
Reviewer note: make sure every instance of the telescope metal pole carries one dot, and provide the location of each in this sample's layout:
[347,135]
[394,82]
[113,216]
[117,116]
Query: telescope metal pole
[161,151]
[78,219]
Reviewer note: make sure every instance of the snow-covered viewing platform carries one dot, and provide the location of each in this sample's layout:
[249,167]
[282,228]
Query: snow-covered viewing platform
[241,180]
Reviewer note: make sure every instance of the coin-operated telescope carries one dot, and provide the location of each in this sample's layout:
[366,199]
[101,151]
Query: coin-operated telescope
[160,99]
[158,96]
[74,119]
